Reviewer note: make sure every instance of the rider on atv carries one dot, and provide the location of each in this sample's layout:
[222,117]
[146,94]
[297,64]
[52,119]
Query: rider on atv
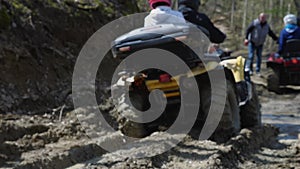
[189,9]
[290,31]
[162,13]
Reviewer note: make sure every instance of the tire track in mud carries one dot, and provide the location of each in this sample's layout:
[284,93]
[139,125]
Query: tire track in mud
[64,144]
[192,153]
[43,142]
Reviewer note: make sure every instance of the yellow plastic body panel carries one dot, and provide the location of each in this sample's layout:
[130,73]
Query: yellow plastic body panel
[200,70]
[236,66]
[171,88]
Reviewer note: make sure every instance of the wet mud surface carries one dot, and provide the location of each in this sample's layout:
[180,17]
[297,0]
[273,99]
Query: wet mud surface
[45,141]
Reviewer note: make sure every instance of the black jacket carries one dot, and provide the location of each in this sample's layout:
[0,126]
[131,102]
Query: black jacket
[189,11]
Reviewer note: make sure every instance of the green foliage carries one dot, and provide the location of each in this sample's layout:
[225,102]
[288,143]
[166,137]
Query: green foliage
[20,7]
[52,3]
[143,5]
[4,19]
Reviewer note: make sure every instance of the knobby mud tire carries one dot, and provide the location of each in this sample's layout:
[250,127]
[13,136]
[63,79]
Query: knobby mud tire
[230,121]
[136,130]
[133,129]
[250,112]
[273,81]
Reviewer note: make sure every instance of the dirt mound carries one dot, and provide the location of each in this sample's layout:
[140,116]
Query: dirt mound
[39,44]
[43,141]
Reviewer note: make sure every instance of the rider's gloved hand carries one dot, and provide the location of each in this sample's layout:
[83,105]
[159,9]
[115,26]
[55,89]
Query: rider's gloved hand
[246,42]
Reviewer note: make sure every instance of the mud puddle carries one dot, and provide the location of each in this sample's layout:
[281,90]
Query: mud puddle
[281,110]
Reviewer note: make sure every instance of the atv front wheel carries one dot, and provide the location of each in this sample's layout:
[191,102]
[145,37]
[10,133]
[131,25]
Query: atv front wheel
[230,121]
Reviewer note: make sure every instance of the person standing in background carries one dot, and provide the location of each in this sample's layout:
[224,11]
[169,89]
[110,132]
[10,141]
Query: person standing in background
[255,38]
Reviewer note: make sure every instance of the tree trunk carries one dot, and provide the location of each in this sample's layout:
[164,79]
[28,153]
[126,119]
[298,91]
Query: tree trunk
[232,14]
[244,17]
[175,4]
[297,4]
[270,14]
[281,8]
[269,43]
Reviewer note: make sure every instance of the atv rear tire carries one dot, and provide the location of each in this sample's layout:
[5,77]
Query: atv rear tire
[136,130]
[273,81]
[139,101]
[250,112]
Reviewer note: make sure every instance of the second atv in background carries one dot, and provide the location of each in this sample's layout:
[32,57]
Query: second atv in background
[284,70]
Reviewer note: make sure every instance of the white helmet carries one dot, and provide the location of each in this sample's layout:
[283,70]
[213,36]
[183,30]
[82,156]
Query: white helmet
[290,19]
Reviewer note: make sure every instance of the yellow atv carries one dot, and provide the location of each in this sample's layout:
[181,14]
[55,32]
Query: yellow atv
[241,105]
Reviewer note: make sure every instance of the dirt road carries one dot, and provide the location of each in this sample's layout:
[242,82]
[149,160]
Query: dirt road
[283,112]
[46,142]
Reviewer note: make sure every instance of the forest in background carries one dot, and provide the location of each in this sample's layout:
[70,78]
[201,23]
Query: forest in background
[233,16]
